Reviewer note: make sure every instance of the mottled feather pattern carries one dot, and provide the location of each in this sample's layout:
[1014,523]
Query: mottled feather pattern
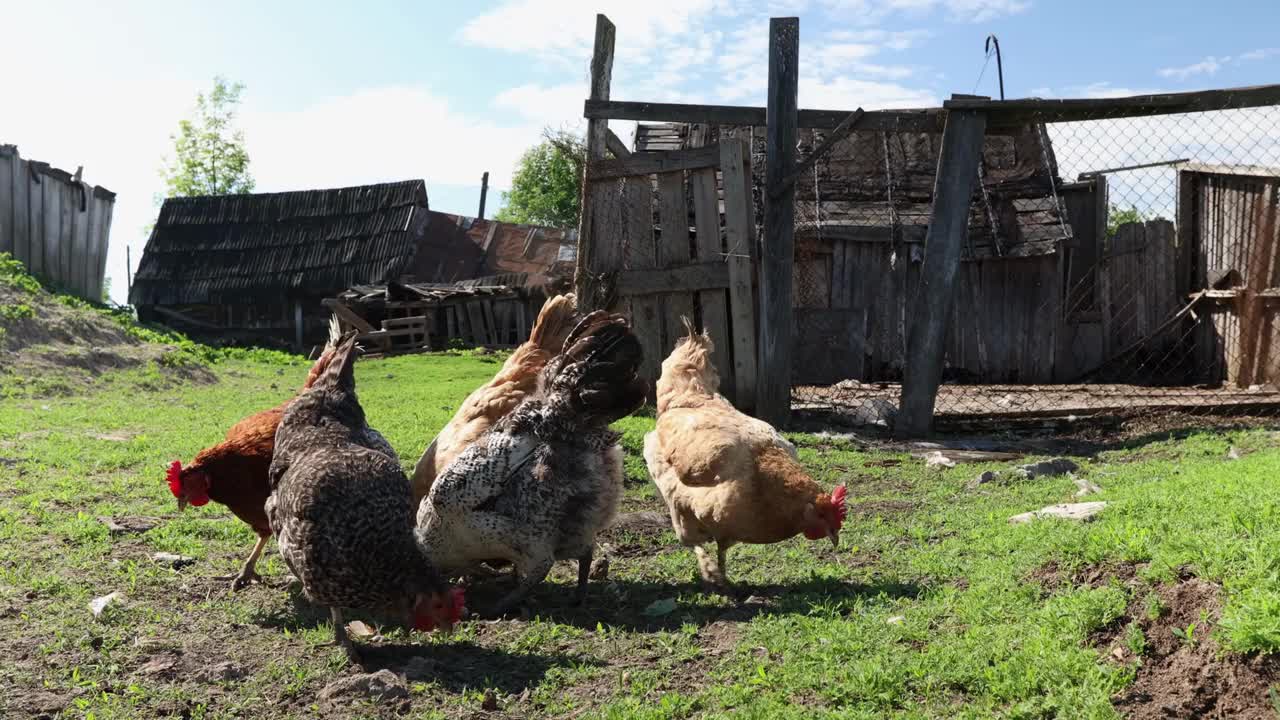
[548,477]
[341,505]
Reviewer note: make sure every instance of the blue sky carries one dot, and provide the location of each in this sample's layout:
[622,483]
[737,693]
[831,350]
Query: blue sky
[341,94]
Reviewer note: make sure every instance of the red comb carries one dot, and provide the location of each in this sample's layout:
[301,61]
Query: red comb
[174,477]
[837,499]
[459,597]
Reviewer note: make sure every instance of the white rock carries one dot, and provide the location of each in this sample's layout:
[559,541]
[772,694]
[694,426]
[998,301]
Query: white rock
[99,605]
[1079,512]
[1085,486]
[936,459]
[896,620]
[172,560]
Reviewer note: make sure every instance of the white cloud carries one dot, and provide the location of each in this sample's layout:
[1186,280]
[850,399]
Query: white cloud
[556,106]
[1259,54]
[971,11]
[1208,66]
[1107,90]
[847,94]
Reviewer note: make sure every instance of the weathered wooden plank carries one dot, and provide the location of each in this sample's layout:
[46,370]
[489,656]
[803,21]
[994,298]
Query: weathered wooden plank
[7,204]
[642,252]
[925,120]
[616,146]
[347,315]
[1004,113]
[21,210]
[953,187]
[839,280]
[51,195]
[739,228]
[69,200]
[710,249]
[95,243]
[103,219]
[475,320]
[673,252]
[777,258]
[650,163]
[660,281]
[81,255]
[491,321]
[586,274]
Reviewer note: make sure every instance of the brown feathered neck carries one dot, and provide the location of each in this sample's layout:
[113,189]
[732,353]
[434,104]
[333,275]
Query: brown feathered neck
[688,371]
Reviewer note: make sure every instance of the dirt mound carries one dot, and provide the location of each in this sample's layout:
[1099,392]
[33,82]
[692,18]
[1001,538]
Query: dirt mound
[52,346]
[1183,673]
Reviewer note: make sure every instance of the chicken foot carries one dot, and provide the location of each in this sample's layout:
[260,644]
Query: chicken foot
[340,637]
[248,573]
[712,569]
[530,575]
[584,574]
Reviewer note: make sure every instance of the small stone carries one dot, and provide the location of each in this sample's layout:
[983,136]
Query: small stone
[1079,512]
[896,620]
[221,672]
[989,476]
[176,562]
[490,701]
[99,605]
[360,630]
[380,686]
[1085,487]
[936,459]
[159,665]
[754,600]
[124,525]
[1117,652]
[1048,468]
[599,569]
[1233,453]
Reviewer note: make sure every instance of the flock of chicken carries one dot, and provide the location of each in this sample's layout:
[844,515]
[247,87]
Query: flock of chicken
[526,473]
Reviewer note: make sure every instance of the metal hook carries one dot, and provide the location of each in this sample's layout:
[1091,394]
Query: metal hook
[993,40]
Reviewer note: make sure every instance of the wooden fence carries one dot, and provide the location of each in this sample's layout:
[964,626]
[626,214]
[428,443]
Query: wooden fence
[54,223]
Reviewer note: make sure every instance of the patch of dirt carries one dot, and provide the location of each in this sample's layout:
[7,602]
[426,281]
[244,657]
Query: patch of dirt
[1052,576]
[1188,675]
[75,345]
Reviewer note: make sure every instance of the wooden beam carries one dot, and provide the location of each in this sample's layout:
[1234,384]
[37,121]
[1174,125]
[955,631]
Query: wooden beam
[597,141]
[803,166]
[616,146]
[926,344]
[685,278]
[348,315]
[484,192]
[184,318]
[740,246]
[928,120]
[773,396]
[1004,113]
[653,163]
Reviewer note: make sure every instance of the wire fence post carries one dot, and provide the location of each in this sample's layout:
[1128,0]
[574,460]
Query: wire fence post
[948,224]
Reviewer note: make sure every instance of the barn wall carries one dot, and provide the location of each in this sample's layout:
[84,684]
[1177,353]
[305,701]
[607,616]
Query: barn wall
[1003,326]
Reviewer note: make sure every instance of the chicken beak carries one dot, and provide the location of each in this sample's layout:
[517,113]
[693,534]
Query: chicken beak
[835,538]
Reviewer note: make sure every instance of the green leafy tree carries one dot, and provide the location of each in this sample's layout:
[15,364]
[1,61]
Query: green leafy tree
[547,186]
[1117,216]
[209,156]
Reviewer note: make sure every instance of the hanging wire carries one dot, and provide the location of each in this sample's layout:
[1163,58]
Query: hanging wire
[992,40]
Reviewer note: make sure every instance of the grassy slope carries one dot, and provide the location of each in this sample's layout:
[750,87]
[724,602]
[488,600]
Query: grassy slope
[929,609]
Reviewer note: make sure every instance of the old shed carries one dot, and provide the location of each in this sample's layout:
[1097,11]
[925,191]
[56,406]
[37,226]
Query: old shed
[861,219]
[256,266]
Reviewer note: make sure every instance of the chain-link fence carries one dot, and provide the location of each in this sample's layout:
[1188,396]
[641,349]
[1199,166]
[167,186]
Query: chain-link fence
[1110,265]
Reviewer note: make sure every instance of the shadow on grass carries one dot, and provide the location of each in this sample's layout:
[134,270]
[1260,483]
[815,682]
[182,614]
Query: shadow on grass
[466,666]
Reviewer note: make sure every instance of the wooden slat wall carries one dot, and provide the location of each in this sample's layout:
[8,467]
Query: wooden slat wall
[53,229]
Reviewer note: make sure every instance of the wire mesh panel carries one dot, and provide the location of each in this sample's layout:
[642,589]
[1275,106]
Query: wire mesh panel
[1110,264]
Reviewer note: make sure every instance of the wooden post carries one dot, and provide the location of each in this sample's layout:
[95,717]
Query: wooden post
[948,223]
[773,391]
[484,190]
[128,271]
[597,143]
[297,324]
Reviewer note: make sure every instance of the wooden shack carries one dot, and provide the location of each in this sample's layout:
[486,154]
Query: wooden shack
[861,220]
[255,267]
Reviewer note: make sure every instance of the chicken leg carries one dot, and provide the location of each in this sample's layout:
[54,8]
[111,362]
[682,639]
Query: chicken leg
[340,637]
[247,572]
[712,570]
[530,573]
[584,574]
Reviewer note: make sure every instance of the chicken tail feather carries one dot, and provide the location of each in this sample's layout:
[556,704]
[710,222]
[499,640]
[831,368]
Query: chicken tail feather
[554,323]
[596,375]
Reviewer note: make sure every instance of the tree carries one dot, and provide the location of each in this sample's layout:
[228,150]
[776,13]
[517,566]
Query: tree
[209,154]
[547,186]
[1118,216]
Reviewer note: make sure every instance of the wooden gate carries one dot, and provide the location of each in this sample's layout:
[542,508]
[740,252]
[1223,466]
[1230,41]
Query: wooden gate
[671,234]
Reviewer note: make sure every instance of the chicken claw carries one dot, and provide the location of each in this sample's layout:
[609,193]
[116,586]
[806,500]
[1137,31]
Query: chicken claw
[584,574]
[245,579]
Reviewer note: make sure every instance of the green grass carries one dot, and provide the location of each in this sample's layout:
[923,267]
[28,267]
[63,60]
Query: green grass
[932,607]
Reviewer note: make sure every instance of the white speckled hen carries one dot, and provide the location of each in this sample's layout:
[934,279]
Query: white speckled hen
[547,477]
[342,509]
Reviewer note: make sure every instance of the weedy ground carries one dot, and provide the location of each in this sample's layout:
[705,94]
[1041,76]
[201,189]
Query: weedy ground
[933,607]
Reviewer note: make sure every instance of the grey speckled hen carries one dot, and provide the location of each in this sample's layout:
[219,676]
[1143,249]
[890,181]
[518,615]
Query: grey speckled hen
[540,485]
[342,512]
